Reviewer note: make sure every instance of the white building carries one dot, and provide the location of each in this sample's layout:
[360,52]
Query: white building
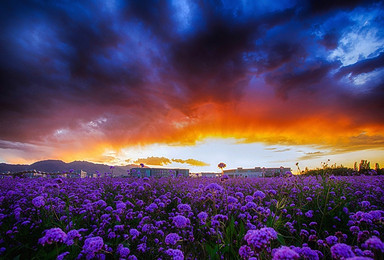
[256,172]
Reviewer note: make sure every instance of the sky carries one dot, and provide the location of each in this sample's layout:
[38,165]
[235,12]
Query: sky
[191,84]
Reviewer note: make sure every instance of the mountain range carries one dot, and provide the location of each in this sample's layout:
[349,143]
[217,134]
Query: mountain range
[53,166]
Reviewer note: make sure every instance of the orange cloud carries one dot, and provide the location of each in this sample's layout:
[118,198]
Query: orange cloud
[161,161]
[191,162]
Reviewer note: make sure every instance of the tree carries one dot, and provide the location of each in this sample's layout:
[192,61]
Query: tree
[222,166]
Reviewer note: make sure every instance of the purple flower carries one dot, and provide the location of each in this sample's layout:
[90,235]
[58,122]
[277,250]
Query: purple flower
[134,233]
[354,229]
[284,253]
[202,216]
[38,202]
[142,247]
[259,194]
[121,205]
[220,217]
[260,238]
[71,235]
[184,207]
[172,239]
[341,251]
[92,245]
[181,221]
[375,243]
[152,207]
[214,187]
[365,204]
[62,256]
[246,252]
[249,198]
[231,199]
[53,235]
[307,253]
[250,205]
[309,214]
[123,251]
[331,240]
[176,254]
[304,233]
[288,174]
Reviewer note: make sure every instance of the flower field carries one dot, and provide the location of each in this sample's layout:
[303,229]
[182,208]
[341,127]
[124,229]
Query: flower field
[291,217]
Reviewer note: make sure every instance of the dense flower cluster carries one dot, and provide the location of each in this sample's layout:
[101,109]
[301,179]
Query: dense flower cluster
[342,251]
[288,217]
[284,253]
[172,239]
[92,245]
[261,238]
[38,202]
[53,235]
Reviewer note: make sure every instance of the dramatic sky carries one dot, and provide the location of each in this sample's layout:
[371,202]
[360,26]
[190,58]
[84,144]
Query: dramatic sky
[192,83]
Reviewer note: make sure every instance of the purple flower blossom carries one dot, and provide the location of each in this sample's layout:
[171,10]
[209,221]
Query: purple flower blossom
[309,214]
[288,174]
[259,194]
[184,207]
[284,253]
[62,256]
[354,229]
[53,235]
[260,238]
[249,198]
[92,246]
[38,202]
[142,247]
[307,253]
[375,243]
[250,205]
[341,251]
[151,207]
[214,187]
[331,240]
[231,199]
[134,233]
[365,204]
[181,221]
[176,254]
[172,239]
[123,251]
[202,216]
[71,235]
[245,252]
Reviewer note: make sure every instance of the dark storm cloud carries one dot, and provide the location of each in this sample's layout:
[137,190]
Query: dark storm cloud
[64,66]
[330,41]
[319,6]
[307,80]
[363,66]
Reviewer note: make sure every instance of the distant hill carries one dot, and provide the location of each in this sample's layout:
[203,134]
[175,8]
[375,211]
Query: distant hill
[53,166]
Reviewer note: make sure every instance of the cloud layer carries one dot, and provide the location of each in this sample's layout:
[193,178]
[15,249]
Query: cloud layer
[77,78]
[162,161]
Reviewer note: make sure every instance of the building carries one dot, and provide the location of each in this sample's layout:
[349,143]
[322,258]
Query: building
[210,174]
[159,172]
[256,172]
